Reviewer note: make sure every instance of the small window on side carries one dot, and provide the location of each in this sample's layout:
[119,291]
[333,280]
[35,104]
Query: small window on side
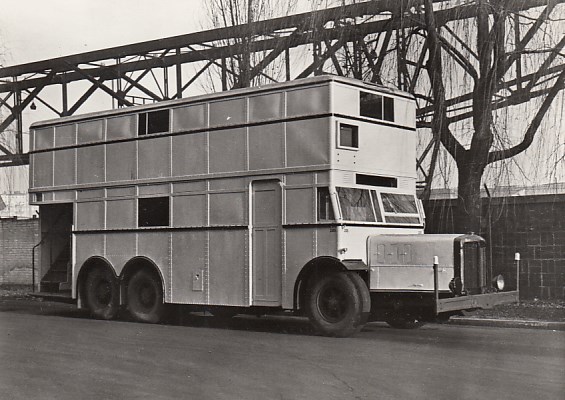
[153,122]
[142,125]
[348,136]
[153,211]
[371,105]
[388,109]
[325,210]
[375,106]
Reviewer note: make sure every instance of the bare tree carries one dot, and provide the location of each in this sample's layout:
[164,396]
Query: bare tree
[475,68]
[236,71]
[494,57]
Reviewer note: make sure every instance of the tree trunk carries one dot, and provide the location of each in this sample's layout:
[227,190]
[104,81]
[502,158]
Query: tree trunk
[468,214]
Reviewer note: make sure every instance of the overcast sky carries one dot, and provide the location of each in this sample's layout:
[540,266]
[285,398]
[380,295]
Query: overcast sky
[35,30]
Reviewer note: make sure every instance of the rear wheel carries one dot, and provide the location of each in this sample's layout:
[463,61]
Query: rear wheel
[102,294]
[335,306]
[145,297]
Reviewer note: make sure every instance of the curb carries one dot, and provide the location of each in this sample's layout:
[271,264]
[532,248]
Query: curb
[508,323]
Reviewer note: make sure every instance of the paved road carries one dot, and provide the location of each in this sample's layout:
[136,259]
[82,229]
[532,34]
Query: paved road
[51,351]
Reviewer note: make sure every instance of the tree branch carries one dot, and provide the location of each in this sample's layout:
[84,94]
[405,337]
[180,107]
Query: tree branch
[533,128]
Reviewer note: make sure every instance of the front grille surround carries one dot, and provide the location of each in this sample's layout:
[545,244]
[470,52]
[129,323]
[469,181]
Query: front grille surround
[470,263]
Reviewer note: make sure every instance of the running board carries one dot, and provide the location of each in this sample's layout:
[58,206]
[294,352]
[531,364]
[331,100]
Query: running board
[64,297]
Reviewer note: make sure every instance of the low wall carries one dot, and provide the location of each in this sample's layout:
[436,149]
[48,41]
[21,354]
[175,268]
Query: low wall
[17,238]
[534,226]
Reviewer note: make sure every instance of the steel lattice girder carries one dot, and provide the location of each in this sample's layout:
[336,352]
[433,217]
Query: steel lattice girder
[334,29]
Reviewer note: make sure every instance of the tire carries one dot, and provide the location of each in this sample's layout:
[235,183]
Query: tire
[404,321]
[145,297]
[364,294]
[335,306]
[102,293]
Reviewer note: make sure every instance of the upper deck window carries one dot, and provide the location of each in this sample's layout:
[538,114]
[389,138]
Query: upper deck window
[348,136]
[376,106]
[153,122]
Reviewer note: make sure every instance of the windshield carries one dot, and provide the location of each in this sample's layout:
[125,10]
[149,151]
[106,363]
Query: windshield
[356,204]
[400,208]
[363,205]
[399,203]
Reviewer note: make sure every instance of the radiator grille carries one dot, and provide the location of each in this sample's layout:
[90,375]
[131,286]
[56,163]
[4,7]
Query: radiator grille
[474,266]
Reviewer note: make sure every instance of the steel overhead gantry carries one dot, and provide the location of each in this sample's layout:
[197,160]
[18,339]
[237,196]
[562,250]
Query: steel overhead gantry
[382,41]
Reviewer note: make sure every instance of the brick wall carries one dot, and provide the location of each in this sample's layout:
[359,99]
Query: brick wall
[17,238]
[534,226]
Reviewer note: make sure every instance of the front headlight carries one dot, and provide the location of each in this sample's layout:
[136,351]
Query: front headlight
[498,282]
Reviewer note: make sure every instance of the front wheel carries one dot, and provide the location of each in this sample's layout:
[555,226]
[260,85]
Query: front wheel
[335,306]
[102,293]
[145,297]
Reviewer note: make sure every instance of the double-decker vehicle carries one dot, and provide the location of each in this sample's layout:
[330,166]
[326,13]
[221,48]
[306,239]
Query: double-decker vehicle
[294,197]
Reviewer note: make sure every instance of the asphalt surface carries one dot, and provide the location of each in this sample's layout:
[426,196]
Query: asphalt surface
[53,351]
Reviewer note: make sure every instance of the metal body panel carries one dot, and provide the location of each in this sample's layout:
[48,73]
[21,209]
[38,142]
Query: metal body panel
[300,205]
[90,131]
[228,267]
[228,112]
[189,267]
[43,138]
[190,210]
[154,158]
[228,208]
[402,262]
[189,155]
[65,135]
[308,101]
[122,127]
[120,248]
[307,142]
[64,167]
[227,150]
[266,146]
[353,241]
[121,161]
[190,117]
[121,214]
[91,166]
[42,171]
[90,215]
[266,107]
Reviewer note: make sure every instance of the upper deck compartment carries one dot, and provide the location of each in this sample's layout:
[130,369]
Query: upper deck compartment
[268,128]
[299,98]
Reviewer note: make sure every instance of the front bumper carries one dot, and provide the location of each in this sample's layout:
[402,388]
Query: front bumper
[476,301]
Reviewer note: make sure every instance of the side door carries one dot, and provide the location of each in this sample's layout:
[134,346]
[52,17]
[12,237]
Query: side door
[266,242]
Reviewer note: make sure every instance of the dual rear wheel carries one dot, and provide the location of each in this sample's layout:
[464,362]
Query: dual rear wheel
[144,295]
